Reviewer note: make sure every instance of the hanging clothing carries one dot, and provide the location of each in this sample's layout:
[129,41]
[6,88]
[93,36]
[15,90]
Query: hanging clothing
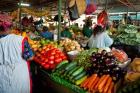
[101,40]
[87,31]
[76,8]
[14,70]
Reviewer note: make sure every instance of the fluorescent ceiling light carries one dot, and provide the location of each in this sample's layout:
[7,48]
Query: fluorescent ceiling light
[24,4]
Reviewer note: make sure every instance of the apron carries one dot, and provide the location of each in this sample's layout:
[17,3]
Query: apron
[14,71]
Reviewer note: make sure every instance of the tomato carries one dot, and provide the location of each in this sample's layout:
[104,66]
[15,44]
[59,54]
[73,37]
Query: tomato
[51,58]
[42,52]
[58,51]
[58,60]
[43,58]
[56,56]
[52,66]
[43,63]
[46,60]
[51,62]
[61,55]
[52,52]
[64,57]
[47,66]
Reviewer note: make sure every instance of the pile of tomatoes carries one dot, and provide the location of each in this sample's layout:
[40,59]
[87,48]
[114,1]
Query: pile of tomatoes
[50,58]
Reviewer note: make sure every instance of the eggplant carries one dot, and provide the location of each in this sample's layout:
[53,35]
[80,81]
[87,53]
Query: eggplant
[93,59]
[104,52]
[109,54]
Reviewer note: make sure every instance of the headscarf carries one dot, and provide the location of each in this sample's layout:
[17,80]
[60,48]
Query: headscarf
[5,21]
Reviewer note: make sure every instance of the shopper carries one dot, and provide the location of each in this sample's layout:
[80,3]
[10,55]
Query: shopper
[14,68]
[46,33]
[99,38]
[66,33]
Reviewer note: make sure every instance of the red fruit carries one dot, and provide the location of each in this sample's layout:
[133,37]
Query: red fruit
[51,58]
[43,63]
[51,62]
[64,58]
[58,51]
[46,60]
[47,66]
[58,60]
[52,66]
[61,54]
[43,59]
[56,56]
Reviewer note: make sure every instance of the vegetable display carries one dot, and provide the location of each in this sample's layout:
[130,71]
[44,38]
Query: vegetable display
[83,58]
[103,84]
[49,57]
[71,72]
[129,35]
[120,55]
[70,45]
[105,63]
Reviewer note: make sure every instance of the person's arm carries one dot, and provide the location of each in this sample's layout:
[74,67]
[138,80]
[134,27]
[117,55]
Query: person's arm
[108,41]
[27,51]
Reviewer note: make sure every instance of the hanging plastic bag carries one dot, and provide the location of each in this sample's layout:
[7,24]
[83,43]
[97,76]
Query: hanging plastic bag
[102,18]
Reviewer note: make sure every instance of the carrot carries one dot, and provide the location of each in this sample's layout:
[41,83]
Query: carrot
[92,80]
[85,82]
[101,85]
[100,80]
[109,81]
[111,88]
[94,83]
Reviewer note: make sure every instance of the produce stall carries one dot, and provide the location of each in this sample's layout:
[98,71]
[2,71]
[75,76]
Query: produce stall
[66,67]
[128,39]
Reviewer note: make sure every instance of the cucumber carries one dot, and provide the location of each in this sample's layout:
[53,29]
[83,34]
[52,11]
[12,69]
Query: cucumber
[62,63]
[79,76]
[69,70]
[71,66]
[78,82]
[62,67]
[73,70]
[78,71]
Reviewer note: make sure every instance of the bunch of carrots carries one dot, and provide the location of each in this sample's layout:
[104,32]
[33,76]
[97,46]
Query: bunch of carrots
[103,84]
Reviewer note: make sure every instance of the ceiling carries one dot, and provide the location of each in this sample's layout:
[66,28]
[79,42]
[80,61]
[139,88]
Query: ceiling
[111,5]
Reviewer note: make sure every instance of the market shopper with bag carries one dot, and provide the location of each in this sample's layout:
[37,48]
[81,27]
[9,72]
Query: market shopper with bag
[14,54]
[99,38]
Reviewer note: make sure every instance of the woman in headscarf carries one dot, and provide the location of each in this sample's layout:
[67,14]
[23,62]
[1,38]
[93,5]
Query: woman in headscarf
[99,38]
[14,54]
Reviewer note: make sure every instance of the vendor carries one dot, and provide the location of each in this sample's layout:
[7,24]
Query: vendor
[87,30]
[99,38]
[66,33]
[14,54]
[45,33]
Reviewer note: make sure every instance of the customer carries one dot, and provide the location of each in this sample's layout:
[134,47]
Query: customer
[99,38]
[46,34]
[66,33]
[14,54]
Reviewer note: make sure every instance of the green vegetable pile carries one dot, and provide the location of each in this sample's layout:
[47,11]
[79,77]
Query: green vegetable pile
[71,72]
[128,35]
[83,58]
[65,83]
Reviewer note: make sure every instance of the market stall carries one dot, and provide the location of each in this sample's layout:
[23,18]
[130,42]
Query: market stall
[65,64]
